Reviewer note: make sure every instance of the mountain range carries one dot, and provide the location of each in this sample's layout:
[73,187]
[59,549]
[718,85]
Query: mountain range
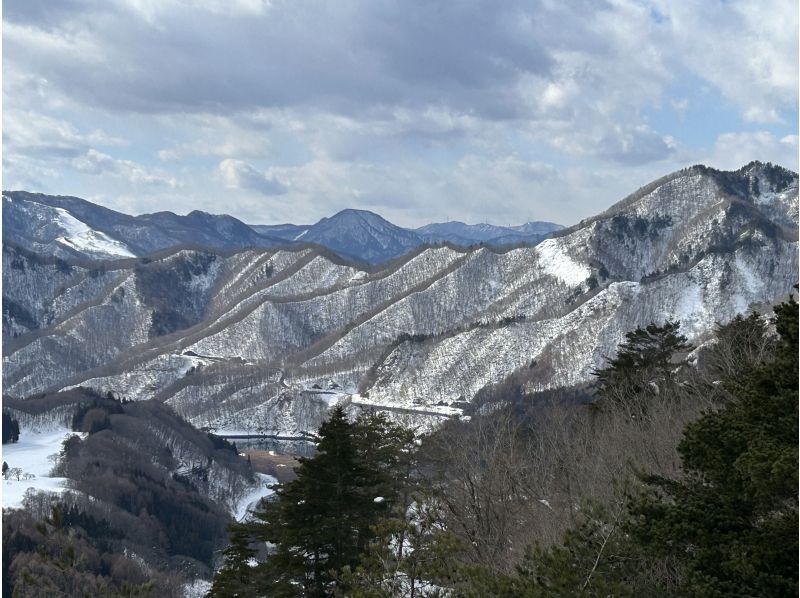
[264,339]
[71,227]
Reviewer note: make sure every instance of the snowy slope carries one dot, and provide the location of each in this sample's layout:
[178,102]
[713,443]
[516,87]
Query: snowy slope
[83,239]
[239,340]
[33,455]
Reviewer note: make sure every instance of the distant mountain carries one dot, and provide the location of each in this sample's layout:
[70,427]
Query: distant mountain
[358,235]
[366,236]
[71,227]
[251,340]
[289,232]
[362,235]
[496,236]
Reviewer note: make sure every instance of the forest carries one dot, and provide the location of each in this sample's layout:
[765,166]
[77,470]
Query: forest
[147,506]
[674,474]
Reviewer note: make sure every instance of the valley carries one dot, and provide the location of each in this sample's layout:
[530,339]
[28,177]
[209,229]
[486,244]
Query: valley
[186,382]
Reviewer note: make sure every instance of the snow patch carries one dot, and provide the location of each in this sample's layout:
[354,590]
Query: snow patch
[81,237]
[31,455]
[249,501]
[555,262]
[198,588]
[753,282]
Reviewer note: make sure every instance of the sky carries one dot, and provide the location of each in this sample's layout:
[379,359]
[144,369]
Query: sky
[480,111]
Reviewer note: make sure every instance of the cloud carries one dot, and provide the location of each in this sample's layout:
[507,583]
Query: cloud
[571,65]
[38,147]
[153,57]
[732,150]
[30,133]
[237,174]
[475,110]
[746,49]
[97,163]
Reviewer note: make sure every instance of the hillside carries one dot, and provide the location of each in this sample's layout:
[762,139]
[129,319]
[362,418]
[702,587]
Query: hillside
[239,341]
[148,486]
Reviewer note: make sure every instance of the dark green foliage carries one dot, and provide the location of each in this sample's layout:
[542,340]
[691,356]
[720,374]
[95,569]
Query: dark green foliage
[623,226]
[62,266]
[321,522]
[732,521]
[644,367]
[126,496]
[235,578]
[73,516]
[737,183]
[125,464]
[407,554]
[728,525]
[187,523]
[93,416]
[743,344]
[220,443]
[165,321]
[10,429]
[166,286]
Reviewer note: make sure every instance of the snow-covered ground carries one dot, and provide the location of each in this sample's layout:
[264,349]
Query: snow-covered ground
[196,589]
[250,500]
[31,455]
[83,238]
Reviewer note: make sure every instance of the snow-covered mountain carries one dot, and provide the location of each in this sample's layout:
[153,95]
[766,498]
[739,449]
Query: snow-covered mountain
[459,233]
[71,227]
[54,230]
[364,236]
[361,235]
[266,339]
[287,232]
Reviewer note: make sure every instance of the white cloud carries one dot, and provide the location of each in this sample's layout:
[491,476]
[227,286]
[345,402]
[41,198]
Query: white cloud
[746,49]
[26,132]
[732,150]
[421,111]
[98,163]
[237,174]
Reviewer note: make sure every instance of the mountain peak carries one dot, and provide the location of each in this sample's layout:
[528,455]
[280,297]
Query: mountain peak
[363,235]
[353,213]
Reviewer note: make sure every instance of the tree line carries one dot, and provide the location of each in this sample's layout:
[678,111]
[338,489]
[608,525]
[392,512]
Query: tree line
[10,429]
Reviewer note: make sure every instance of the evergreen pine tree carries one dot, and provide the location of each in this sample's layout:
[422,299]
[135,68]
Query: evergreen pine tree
[643,368]
[322,521]
[234,579]
[10,429]
[733,520]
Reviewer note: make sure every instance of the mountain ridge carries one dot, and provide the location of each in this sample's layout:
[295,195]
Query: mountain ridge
[237,340]
[96,232]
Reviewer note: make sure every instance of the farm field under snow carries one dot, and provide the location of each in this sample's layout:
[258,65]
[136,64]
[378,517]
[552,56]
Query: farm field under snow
[31,455]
